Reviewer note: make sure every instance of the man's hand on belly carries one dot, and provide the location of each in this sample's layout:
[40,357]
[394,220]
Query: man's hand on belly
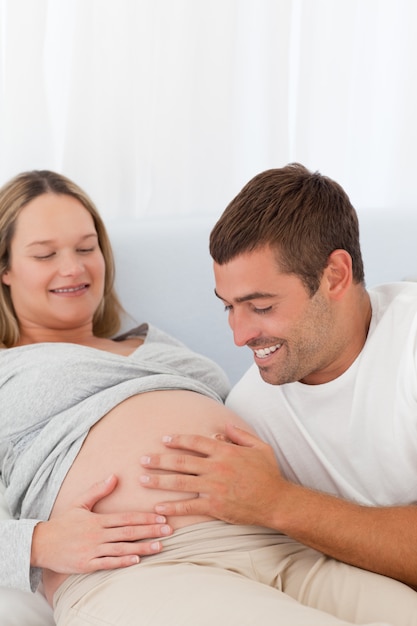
[79,541]
[236,483]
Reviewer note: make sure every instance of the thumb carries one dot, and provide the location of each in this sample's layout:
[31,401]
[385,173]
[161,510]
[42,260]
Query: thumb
[97,492]
[241,437]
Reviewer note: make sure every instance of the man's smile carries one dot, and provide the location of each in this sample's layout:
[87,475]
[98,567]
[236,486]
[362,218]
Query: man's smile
[262,353]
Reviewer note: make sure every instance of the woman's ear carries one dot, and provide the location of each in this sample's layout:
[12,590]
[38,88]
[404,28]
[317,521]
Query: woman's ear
[5,278]
[338,273]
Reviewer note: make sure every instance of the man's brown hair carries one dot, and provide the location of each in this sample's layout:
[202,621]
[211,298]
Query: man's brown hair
[303,216]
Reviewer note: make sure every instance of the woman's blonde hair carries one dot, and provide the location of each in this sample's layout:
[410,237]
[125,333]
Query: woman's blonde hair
[15,195]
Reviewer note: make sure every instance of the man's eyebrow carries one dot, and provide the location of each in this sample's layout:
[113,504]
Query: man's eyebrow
[256,295]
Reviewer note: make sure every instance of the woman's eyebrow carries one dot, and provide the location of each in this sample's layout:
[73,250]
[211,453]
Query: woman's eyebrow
[51,241]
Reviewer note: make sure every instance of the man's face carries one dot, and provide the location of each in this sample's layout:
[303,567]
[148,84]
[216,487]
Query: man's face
[294,336]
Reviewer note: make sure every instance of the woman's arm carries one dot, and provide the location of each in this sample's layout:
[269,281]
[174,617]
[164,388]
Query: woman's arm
[15,545]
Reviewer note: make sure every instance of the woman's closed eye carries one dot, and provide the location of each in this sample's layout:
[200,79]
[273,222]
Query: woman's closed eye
[44,257]
[50,255]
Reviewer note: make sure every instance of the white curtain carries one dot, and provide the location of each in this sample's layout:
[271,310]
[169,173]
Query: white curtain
[167,107]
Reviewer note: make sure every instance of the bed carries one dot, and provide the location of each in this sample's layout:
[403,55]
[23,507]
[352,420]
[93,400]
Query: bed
[164,275]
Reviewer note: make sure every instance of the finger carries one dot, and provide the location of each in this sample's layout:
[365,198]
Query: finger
[109,563]
[128,534]
[173,482]
[148,523]
[125,550]
[124,556]
[97,492]
[193,443]
[120,555]
[242,437]
[195,506]
[179,463]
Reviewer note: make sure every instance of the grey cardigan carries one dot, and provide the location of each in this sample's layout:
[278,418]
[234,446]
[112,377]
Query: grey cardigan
[51,394]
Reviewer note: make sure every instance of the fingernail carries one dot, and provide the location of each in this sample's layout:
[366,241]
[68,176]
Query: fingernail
[156,546]
[160,519]
[160,508]
[167,438]
[144,479]
[135,560]
[166,530]
[145,460]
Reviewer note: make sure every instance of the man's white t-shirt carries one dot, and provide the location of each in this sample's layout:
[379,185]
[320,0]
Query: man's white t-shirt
[356,436]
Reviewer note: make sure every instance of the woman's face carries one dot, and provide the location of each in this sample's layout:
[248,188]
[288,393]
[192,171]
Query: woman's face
[57,270]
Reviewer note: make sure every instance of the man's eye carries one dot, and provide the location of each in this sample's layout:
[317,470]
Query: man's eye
[227,307]
[262,311]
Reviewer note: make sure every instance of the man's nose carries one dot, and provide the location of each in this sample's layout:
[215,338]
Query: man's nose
[244,327]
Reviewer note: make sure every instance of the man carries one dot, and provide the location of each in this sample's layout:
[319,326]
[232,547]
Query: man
[333,390]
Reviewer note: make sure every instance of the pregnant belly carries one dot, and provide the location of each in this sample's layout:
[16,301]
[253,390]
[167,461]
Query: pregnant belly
[132,429]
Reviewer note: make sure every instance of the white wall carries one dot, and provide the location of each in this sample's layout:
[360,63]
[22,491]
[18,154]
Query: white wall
[167,107]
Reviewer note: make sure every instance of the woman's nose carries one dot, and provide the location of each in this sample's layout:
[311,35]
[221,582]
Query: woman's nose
[71,265]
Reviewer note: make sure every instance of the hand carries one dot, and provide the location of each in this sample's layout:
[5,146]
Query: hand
[236,483]
[80,541]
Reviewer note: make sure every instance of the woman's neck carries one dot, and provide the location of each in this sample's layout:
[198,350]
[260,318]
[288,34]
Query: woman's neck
[81,335]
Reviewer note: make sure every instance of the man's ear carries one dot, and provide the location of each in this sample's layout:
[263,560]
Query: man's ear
[338,273]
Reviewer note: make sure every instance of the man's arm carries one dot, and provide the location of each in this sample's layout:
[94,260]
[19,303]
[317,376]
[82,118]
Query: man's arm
[242,484]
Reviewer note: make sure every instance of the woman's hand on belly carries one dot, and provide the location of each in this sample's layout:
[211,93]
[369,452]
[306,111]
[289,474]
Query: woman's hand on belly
[77,540]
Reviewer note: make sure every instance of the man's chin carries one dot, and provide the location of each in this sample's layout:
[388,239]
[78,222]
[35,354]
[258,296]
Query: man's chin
[272,377]
[268,375]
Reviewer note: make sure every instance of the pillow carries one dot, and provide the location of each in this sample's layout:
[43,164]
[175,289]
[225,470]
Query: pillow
[22,608]
[4,511]
[17,607]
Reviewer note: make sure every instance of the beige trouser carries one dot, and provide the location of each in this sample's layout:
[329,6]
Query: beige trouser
[216,574]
